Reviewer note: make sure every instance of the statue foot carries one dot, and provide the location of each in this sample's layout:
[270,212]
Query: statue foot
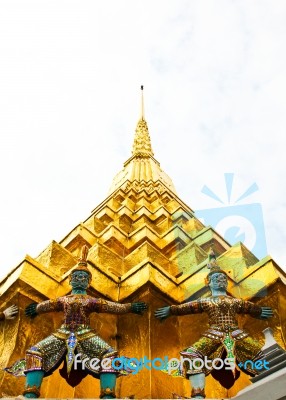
[31,392]
[107,393]
[198,393]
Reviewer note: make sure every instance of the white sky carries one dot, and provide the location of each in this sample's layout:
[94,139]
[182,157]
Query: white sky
[70,73]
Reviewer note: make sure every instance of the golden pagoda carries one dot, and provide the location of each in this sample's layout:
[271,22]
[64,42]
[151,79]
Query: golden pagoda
[145,244]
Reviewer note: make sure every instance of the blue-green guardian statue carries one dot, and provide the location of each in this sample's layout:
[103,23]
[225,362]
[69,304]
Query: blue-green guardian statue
[223,334]
[75,340]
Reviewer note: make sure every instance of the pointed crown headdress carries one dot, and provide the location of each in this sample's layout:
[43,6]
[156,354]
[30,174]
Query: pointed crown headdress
[213,266]
[82,262]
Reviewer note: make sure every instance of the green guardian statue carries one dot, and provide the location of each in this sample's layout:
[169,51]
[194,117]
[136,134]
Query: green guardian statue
[75,339]
[223,337]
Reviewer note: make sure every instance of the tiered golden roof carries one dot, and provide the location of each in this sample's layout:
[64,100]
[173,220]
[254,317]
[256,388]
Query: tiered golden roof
[144,244]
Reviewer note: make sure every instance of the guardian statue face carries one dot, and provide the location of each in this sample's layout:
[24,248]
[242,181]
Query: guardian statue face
[79,280]
[218,281]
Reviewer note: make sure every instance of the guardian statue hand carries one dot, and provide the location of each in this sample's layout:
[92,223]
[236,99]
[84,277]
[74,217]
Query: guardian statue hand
[266,312]
[139,308]
[30,310]
[163,313]
[11,312]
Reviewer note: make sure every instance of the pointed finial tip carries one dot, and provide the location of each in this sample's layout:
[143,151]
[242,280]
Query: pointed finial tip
[142,104]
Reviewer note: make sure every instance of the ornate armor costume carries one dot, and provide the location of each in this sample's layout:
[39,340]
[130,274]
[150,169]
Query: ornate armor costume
[223,332]
[223,343]
[75,334]
[75,338]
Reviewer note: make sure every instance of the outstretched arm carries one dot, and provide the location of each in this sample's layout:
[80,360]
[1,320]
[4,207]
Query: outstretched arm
[34,309]
[247,307]
[105,306]
[192,307]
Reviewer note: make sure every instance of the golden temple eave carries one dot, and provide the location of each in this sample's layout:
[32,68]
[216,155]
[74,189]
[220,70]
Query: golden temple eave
[34,274]
[125,194]
[144,171]
[208,237]
[37,277]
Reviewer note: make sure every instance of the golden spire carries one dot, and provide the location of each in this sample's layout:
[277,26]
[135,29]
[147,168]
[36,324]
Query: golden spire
[142,168]
[142,143]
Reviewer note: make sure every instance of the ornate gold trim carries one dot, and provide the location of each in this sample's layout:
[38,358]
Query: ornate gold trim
[32,389]
[33,362]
